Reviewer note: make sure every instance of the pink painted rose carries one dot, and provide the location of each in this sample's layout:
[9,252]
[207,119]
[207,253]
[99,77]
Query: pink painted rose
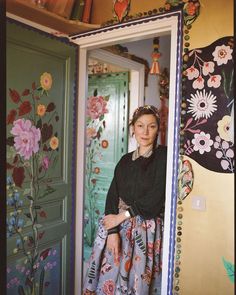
[26,138]
[96,107]
[45,163]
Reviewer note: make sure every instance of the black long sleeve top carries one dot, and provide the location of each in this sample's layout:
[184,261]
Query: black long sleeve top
[140,186]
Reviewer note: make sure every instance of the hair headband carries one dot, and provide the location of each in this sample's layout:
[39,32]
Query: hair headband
[147,107]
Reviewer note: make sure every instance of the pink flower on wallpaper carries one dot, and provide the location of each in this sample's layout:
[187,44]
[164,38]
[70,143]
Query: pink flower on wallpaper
[208,67]
[222,54]
[45,163]
[192,73]
[26,138]
[198,83]
[214,81]
[96,107]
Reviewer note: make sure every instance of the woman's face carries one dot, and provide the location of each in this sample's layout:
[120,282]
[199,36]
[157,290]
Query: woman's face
[145,130]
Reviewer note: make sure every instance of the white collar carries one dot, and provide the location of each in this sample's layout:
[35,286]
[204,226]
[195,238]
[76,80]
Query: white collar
[147,154]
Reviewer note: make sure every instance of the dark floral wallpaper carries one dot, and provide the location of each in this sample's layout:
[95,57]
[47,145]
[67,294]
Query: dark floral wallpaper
[209,116]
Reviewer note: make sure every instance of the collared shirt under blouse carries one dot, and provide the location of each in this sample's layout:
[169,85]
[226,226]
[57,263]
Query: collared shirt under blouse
[140,184]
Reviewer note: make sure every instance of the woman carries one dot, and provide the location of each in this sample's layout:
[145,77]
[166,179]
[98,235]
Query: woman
[126,258]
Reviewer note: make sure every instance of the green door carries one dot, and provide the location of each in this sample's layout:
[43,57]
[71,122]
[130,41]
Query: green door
[40,103]
[107,122]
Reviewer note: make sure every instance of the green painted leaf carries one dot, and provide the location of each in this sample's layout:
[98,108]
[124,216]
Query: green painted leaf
[229,269]
[41,282]
[21,290]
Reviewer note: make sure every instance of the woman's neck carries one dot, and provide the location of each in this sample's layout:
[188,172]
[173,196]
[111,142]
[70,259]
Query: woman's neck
[144,149]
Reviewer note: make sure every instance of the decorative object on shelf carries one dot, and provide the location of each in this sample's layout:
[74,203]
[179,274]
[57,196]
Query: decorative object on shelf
[121,9]
[77,10]
[87,11]
[62,8]
[155,68]
[40,3]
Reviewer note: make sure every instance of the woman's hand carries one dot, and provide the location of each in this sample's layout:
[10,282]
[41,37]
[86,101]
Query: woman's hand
[112,220]
[113,244]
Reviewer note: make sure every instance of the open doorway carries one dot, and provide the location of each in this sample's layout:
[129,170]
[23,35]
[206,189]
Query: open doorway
[113,82]
[168,24]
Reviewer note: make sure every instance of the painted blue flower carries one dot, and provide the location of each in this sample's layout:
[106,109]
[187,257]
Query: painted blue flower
[10,202]
[12,221]
[20,222]
[16,196]
[18,242]
[9,180]
[20,203]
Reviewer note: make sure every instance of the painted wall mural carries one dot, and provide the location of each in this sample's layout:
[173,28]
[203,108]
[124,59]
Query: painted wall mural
[208,121]
[32,148]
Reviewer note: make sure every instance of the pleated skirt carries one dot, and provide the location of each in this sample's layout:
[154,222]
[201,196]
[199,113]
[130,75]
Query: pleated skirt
[137,270]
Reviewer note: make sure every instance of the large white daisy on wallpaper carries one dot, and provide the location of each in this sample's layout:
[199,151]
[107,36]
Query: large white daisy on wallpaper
[202,104]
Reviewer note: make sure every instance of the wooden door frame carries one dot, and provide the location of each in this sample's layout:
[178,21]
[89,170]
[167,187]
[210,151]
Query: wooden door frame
[168,23]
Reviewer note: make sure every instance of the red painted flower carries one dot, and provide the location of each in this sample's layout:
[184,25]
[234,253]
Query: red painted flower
[42,214]
[104,144]
[191,8]
[97,170]
[109,287]
[25,108]
[11,116]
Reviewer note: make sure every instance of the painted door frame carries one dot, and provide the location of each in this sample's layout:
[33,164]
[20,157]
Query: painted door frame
[137,77]
[170,23]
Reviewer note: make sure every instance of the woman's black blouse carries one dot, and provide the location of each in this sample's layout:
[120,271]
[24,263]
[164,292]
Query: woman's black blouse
[140,184]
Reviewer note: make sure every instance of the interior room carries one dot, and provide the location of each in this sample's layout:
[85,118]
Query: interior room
[77,74]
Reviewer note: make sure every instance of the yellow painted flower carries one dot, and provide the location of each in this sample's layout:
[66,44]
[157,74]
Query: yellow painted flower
[54,142]
[46,81]
[223,128]
[41,109]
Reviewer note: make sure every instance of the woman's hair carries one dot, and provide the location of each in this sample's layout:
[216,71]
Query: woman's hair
[147,110]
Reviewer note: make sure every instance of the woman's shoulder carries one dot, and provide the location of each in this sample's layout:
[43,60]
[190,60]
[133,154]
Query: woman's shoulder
[161,149]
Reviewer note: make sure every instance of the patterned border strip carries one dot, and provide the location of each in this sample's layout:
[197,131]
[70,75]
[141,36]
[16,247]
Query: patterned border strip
[124,24]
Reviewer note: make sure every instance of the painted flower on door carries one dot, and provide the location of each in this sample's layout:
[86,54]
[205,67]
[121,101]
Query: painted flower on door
[97,108]
[32,150]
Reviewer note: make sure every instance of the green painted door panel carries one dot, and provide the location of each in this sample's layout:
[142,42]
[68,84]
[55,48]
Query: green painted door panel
[107,122]
[40,102]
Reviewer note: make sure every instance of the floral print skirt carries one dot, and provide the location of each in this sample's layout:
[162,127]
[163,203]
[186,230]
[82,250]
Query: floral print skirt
[138,268]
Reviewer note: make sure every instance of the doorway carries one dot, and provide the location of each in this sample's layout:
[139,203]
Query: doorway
[155,26]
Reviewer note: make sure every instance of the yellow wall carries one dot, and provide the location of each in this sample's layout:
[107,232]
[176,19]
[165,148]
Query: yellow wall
[207,235]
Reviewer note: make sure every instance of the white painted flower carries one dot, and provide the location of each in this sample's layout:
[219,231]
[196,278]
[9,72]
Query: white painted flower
[198,83]
[222,54]
[214,81]
[192,73]
[208,67]
[202,142]
[223,128]
[202,104]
